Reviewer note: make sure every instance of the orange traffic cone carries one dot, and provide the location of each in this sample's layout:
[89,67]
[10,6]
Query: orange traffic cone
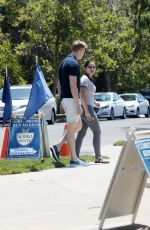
[64,150]
[5,143]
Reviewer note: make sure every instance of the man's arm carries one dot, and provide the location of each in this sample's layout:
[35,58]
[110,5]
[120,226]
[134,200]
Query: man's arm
[74,91]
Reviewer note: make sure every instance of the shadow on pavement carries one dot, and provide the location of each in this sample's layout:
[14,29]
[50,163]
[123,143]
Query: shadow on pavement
[130,227]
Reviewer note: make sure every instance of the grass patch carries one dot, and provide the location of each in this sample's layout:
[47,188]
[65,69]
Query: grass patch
[119,143]
[14,166]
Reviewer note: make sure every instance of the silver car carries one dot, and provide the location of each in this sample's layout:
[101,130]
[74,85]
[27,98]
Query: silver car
[136,104]
[111,105]
[20,96]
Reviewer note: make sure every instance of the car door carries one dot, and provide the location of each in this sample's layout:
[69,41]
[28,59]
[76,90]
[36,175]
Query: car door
[120,105]
[116,105]
[143,104]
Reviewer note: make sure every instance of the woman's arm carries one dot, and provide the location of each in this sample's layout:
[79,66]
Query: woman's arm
[84,93]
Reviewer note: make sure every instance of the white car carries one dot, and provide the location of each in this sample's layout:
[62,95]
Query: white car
[20,96]
[136,104]
[111,105]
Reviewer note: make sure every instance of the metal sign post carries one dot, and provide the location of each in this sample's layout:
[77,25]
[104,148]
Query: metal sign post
[128,182]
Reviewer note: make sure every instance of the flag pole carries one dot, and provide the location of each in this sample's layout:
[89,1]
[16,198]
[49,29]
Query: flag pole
[36,60]
[6,71]
[6,99]
[39,119]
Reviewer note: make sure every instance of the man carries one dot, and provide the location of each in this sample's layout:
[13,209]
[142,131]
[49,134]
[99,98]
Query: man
[69,80]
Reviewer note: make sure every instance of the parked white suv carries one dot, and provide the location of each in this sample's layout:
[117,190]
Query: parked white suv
[20,96]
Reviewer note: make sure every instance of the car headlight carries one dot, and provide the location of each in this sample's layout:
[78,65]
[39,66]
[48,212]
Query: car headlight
[105,107]
[130,106]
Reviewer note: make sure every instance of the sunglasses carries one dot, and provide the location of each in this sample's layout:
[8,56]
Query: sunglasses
[91,67]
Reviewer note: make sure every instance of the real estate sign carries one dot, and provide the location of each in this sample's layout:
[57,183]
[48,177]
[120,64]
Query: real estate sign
[143,147]
[126,188]
[24,138]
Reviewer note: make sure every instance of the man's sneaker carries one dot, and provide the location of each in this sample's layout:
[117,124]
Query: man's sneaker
[77,162]
[55,153]
[81,161]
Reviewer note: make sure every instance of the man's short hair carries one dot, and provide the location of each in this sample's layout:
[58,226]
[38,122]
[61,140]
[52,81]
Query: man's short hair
[78,45]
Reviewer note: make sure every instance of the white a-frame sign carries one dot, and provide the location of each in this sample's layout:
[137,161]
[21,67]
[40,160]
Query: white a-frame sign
[127,184]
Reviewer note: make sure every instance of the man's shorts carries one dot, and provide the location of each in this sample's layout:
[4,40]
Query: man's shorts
[70,109]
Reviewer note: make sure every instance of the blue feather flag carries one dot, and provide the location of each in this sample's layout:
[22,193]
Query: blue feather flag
[7,99]
[39,95]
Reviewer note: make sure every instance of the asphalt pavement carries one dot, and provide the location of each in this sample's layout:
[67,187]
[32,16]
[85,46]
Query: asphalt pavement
[65,199]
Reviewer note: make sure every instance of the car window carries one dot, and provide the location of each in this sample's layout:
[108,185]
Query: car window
[118,97]
[128,97]
[140,97]
[107,98]
[115,97]
[145,92]
[99,97]
[20,93]
[102,97]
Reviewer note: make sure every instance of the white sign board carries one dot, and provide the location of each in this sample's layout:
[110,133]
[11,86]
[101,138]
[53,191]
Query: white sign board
[127,184]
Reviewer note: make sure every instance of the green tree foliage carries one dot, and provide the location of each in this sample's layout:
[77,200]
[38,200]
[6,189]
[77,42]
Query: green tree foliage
[8,40]
[116,33]
[110,33]
[50,28]
[141,62]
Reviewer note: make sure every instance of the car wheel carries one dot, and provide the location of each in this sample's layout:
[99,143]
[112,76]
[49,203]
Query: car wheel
[148,112]
[124,114]
[53,117]
[137,112]
[111,114]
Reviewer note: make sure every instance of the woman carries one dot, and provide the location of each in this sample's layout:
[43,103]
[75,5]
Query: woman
[89,117]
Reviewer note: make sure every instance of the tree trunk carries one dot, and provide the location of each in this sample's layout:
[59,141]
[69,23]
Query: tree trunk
[108,81]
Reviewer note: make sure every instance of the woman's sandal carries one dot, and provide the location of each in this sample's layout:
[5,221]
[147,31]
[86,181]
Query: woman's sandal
[101,160]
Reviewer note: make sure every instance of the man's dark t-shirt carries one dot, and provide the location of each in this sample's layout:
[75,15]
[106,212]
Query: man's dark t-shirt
[69,66]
